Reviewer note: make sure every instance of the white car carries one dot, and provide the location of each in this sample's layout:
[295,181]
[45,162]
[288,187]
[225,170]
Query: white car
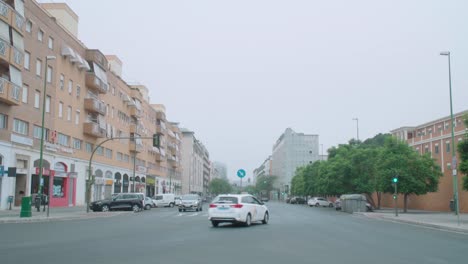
[319,201]
[237,208]
[166,199]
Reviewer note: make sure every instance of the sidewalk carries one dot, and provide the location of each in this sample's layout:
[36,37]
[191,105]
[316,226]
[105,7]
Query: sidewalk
[55,214]
[437,220]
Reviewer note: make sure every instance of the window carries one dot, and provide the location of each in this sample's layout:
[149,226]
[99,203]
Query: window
[47,104]
[426,150]
[78,91]
[112,112]
[49,74]
[100,151]
[126,158]
[25,94]
[63,139]
[51,43]
[69,111]
[109,153]
[70,86]
[40,35]
[436,149]
[37,131]
[60,114]
[28,26]
[19,126]
[77,117]
[38,67]
[447,147]
[37,96]
[113,90]
[62,82]
[76,143]
[3,121]
[107,110]
[119,156]
[27,57]
[89,147]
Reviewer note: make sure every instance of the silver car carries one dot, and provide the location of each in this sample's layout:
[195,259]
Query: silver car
[190,202]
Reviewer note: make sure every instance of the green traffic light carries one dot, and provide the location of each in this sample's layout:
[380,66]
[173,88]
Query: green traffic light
[395,179]
[394,197]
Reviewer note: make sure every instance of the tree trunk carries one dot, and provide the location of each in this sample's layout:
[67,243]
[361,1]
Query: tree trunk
[379,198]
[370,199]
[405,206]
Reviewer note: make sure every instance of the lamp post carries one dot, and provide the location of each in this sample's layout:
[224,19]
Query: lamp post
[321,155]
[41,151]
[357,127]
[454,158]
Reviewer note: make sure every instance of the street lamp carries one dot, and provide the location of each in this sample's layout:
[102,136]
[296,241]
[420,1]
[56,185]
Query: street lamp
[454,158]
[357,127]
[41,151]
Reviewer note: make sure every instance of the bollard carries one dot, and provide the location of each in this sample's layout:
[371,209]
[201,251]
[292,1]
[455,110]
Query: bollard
[26,207]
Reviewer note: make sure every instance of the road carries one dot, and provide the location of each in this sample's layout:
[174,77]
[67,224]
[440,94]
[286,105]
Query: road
[295,234]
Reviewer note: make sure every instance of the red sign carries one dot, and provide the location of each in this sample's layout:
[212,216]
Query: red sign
[45,171]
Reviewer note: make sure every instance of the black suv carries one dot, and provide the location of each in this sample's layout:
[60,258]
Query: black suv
[122,201]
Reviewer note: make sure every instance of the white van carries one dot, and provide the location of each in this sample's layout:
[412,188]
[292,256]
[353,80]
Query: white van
[166,199]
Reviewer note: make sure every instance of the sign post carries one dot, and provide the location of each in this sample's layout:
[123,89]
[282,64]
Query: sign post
[241,174]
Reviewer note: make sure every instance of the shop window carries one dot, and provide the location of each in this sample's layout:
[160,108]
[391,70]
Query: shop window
[59,187]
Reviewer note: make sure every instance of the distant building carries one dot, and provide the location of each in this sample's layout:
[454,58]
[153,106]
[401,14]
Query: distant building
[221,169]
[264,169]
[435,138]
[292,150]
[195,164]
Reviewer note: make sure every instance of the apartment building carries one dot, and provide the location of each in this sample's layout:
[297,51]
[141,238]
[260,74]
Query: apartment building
[220,169]
[264,169]
[195,164]
[435,138]
[292,150]
[86,101]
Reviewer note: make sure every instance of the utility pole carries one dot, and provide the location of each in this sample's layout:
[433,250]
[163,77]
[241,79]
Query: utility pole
[395,194]
[357,127]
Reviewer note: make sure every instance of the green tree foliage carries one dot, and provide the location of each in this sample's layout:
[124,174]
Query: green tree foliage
[463,152]
[265,183]
[219,186]
[368,167]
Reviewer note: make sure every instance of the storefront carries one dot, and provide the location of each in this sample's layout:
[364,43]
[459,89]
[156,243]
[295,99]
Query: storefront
[58,183]
[125,183]
[108,185]
[140,186]
[98,185]
[150,186]
[117,182]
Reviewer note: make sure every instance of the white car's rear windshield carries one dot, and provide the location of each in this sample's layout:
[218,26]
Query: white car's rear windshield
[226,199]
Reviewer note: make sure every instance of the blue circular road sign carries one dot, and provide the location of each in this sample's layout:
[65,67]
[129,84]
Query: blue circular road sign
[241,173]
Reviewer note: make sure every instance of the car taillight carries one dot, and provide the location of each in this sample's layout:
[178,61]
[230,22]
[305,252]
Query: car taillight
[237,206]
[213,205]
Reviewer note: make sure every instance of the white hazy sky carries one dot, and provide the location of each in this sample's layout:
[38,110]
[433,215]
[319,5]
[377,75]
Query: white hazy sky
[238,73]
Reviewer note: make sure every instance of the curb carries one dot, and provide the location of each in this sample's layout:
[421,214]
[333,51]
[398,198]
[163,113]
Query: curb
[53,219]
[415,223]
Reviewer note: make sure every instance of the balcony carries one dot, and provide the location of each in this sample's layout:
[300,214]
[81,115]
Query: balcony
[136,129]
[96,56]
[10,93]
[94,105]
[9,15]
[94,83]
[161,115]
[16,58]
[160,129]
[135,147]
[134,111]
[135,93]
[94,129]
[5,52]
[17,22]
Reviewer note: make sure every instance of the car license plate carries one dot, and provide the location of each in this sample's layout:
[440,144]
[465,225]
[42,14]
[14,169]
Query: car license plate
[223,208]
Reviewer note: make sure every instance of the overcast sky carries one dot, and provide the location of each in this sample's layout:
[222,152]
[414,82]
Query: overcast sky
[238,73]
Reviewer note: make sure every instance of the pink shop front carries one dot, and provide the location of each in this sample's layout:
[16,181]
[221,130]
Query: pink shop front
[59,184]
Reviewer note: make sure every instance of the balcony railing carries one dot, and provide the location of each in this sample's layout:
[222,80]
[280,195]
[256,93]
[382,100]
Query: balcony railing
[5,51]
[93,82]
[95,105]
[132,147]
[10,93]
[134,111]
[5,11]
[136,129]
[94,129]
[19,22]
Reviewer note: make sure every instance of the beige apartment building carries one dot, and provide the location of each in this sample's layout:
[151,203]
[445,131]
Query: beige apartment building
[435,138]
[86,102]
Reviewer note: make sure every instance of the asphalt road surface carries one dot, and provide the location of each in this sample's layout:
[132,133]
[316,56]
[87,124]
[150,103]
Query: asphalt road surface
[295,234]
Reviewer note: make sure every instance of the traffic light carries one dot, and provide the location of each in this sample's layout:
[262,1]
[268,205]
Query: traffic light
[156,140]
[394,197]
[395,179]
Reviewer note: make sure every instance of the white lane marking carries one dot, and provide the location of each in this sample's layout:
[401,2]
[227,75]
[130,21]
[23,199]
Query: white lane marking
[180,214]
[195,214]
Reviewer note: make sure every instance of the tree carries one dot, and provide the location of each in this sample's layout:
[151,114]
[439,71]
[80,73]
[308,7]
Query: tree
[250,189]
[462,149]
[265,183]
[219,186]
[417,174]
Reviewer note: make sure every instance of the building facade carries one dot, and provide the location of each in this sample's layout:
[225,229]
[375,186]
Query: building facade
[195,164]
[47,69]
[221,170]
[264,169]
[435,138]
[292,150]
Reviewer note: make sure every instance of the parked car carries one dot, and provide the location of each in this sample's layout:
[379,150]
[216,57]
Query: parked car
[177,200]
[288,200]
[166,199]
[190,202]
[319,201]
[297,200]
[237,208]
[338,204]
[369,207]
[148,203]
[122,201]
